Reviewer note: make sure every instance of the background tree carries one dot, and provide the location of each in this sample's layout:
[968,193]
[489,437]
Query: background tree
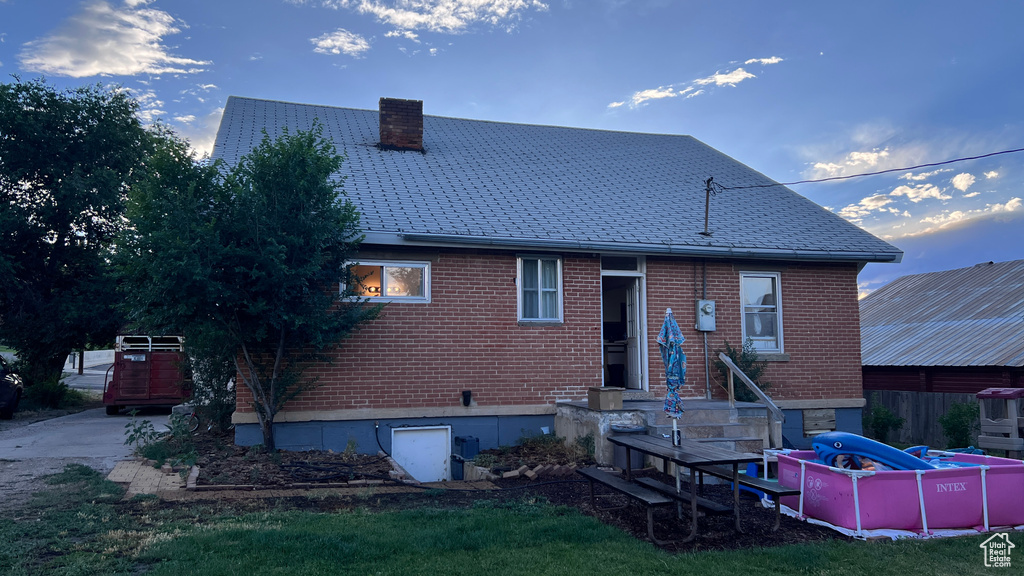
[67,160]
[251,260]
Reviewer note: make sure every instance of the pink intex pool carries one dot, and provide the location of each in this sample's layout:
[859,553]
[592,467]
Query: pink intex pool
[989,492]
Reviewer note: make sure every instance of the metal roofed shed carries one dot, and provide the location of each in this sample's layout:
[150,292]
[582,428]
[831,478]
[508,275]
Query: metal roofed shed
[930,341]
[965,317]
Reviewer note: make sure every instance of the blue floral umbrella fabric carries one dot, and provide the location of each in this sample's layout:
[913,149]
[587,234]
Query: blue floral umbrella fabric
[670,340]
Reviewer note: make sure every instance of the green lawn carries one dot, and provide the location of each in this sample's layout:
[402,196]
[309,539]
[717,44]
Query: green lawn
[82,528]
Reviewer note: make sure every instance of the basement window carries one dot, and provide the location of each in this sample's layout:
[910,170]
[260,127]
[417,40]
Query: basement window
[388,281]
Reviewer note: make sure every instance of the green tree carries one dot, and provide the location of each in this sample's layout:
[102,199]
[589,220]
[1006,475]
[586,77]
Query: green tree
[67,161]
[247,260]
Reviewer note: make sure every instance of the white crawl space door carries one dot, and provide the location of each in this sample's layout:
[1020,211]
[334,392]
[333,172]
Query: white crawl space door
[424,452]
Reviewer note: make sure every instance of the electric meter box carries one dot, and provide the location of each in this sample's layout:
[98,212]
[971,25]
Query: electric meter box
[706,315]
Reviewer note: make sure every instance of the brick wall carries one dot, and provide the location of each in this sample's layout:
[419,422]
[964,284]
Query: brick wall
[468,336]
[821,325]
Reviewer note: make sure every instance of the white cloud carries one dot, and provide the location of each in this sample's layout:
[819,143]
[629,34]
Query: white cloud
[444,16]
[407,34]
[107,40]
[764,61]
[658,93]
[991,175]
[1013,205]
[340,41]
[962,181]
[689,91]
[727,79]
[947,218]
[855,212]
[150,106]
[972,194]
[867,156]
[920,192]
[201,132]
[854,161]
[186,119]
[923,175]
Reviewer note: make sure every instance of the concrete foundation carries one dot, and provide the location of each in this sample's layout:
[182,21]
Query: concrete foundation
[574,420]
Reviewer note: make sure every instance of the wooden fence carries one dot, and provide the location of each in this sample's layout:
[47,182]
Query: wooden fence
[921,412]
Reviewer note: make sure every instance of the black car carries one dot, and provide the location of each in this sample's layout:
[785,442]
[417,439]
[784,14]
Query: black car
[11,389]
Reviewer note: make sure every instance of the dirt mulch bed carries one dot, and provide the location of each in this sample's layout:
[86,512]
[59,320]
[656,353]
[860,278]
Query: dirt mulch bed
[223,464]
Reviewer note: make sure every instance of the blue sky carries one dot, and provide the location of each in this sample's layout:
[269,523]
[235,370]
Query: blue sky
[797,90]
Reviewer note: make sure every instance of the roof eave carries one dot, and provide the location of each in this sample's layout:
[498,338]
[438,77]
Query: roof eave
[727,252]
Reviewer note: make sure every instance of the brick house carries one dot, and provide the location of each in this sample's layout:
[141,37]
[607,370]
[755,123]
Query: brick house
[524,264]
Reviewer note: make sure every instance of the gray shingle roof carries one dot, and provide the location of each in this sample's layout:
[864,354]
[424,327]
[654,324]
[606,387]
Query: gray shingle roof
[535,186]
[965,317]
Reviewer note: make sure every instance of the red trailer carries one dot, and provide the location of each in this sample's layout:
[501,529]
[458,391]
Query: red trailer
[147,371]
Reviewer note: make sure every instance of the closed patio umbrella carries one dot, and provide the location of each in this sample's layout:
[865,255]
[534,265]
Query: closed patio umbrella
[670,340]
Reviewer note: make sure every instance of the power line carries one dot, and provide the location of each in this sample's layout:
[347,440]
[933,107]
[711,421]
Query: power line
[719,187]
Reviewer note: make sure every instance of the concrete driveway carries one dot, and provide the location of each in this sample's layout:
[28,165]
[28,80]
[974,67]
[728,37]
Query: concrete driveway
[91,378]
[91,438]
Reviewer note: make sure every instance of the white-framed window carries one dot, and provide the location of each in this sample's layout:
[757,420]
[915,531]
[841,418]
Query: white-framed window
[540,288]
[392,281]
[762,310]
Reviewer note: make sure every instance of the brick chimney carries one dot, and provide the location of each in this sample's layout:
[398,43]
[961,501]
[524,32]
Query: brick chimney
[401,124]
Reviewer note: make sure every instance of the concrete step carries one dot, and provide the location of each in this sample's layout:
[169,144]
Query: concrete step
[694,416]
[711,430]
[752,411]
[743,444]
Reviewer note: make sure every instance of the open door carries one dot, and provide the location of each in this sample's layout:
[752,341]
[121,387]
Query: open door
[623,331]
[634,369]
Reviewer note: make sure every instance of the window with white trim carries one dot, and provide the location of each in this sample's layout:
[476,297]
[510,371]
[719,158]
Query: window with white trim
[392,281]
[540,288]
[762,310]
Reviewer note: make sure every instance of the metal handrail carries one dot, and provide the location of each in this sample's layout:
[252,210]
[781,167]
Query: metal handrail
[733,369]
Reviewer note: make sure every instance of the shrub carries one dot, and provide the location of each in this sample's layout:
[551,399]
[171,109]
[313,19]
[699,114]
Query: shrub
[960,423]
[747,361]
[51,393]
[175,447]
[880,420]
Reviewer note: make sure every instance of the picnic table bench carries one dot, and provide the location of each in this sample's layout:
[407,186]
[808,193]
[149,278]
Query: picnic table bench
[690,455]
[708,506]
[765,485]
[649,498]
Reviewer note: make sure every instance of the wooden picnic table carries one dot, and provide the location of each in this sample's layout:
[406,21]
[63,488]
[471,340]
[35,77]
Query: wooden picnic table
[691,455]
